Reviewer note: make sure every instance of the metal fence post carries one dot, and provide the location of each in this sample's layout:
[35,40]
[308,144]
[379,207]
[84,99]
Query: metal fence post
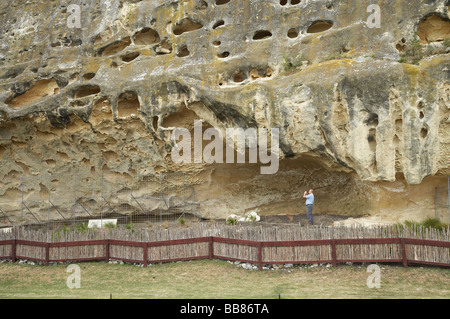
[47,254]
[403,248]
[161,199]
[131,193]
[13,250]
[21,182]
[211,248]
[49,201]
[184,198]
[436,203]
[145,253]
[260,263]
[107,250]
[448,192]
[333,252]
[101,196]
[74,197]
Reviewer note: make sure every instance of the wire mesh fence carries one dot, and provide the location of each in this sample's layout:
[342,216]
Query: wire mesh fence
[56,200]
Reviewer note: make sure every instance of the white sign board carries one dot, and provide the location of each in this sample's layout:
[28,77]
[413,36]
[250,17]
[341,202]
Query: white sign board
[99,223]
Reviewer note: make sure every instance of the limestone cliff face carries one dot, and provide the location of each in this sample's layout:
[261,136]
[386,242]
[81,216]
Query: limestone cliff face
[363,110]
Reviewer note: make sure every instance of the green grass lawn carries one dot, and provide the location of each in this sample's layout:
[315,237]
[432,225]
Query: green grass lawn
[204,279]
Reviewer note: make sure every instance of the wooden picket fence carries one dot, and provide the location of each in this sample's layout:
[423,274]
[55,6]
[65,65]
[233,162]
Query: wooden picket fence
[254,243]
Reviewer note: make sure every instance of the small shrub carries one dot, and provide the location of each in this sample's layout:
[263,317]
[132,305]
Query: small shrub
[433,223]
[447,43]
[65,229]
[415,49]
[82,228]
[410,223]
[130,226]
[427,223]
[61,233]
[413,53]
[430,51]
[110,225]
[231,221]
[292,64]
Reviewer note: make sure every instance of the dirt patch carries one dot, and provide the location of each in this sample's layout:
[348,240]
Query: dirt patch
[319,219]
[300,219]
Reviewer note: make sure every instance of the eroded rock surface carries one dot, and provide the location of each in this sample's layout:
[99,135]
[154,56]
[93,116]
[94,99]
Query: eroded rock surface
[355,123]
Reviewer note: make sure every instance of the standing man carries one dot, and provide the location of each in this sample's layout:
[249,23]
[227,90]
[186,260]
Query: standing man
[309,205]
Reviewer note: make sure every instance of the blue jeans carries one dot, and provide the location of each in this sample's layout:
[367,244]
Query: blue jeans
[309,210]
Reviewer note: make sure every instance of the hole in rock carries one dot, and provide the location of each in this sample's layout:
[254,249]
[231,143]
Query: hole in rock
[88,76]
[221,2]
[433,29]
[401,46]
[292,33]
[183,117]
[101,112]
[43,191]
[115,47]
[372,120]
[76,42]
[283,2]
[40,89]
[423,133]
[294,2]
[186,25]
[217,43]
[111,156]
[421,115]
[86,91]
[223,54]
[130,56]
[155,123]
[146,36]
[218,24]
[165,47]
[63,156]
[399,125]
[262,34]
[238,77]
[127,105]
[372,139]
[51,163]
[256,73]
[319,26]
[183,52]
[202,5]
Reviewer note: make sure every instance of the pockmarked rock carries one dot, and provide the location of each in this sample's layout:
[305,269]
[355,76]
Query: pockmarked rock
[361,98]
